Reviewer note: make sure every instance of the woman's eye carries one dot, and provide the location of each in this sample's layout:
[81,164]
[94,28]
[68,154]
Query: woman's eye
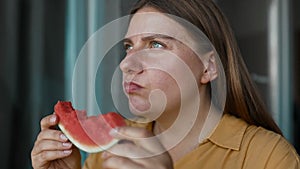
[128,47]
[156,45]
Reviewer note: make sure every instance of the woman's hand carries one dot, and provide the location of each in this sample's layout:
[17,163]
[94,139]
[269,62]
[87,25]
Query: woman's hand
[136,152]
[52,150]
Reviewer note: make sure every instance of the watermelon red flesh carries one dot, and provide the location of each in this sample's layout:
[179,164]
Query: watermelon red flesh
[87,133]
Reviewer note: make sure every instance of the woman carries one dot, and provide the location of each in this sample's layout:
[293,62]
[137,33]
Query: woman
[246,136]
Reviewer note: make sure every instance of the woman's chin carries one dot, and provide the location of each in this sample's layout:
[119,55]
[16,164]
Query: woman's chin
[138,105]
[142,113]
[144,109]
[139,110]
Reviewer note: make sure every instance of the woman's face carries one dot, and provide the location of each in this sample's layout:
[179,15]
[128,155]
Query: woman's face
[154,69]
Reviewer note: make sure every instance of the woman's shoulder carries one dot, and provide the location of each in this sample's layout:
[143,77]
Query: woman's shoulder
[260,137]
[270,147]
[252,135]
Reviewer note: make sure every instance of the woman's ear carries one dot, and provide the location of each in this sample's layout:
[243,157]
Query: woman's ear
[210,68]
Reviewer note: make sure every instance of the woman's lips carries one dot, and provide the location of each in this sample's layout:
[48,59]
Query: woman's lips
[131,87]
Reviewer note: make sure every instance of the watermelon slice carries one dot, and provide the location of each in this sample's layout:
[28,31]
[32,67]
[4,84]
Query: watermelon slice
[90,134]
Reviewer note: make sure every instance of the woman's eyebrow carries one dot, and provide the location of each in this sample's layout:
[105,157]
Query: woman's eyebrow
[157,36]
[127,40]
[150,37]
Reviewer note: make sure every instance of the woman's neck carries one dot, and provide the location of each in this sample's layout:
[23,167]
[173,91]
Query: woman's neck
[182,141]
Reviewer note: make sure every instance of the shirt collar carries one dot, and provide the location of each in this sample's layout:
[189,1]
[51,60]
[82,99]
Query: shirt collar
[229,133]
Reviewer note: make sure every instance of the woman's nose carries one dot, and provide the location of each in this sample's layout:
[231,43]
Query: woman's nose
[131,65]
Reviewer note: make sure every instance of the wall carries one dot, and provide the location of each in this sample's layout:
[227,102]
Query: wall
[249,22]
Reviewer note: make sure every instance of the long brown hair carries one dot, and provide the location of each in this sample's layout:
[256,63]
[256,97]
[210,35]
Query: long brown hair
[242,98]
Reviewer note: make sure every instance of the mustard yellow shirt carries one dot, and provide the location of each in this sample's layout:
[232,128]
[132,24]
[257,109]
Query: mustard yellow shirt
[233,145]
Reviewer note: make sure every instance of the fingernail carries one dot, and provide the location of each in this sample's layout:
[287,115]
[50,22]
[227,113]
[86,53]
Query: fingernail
[67,144]
[53,119]
[63,137]
[67,151]
[113,132]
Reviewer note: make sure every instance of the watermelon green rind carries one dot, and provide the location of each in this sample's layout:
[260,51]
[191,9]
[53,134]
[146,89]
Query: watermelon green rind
[85,147]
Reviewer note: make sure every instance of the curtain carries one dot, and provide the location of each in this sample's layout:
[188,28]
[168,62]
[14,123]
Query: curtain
[31,52]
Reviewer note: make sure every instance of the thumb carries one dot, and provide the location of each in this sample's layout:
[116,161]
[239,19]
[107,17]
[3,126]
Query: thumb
[140,137]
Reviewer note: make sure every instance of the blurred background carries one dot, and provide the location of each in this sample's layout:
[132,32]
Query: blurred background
[40,40]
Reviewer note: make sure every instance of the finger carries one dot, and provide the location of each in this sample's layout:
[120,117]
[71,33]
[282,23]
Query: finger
[128,150]
[52,135]
[106,154]
[49,121]
[48,135]
[46,145]
[130,132]
[50,145]
[117,162]
[46,156]
[140,136]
